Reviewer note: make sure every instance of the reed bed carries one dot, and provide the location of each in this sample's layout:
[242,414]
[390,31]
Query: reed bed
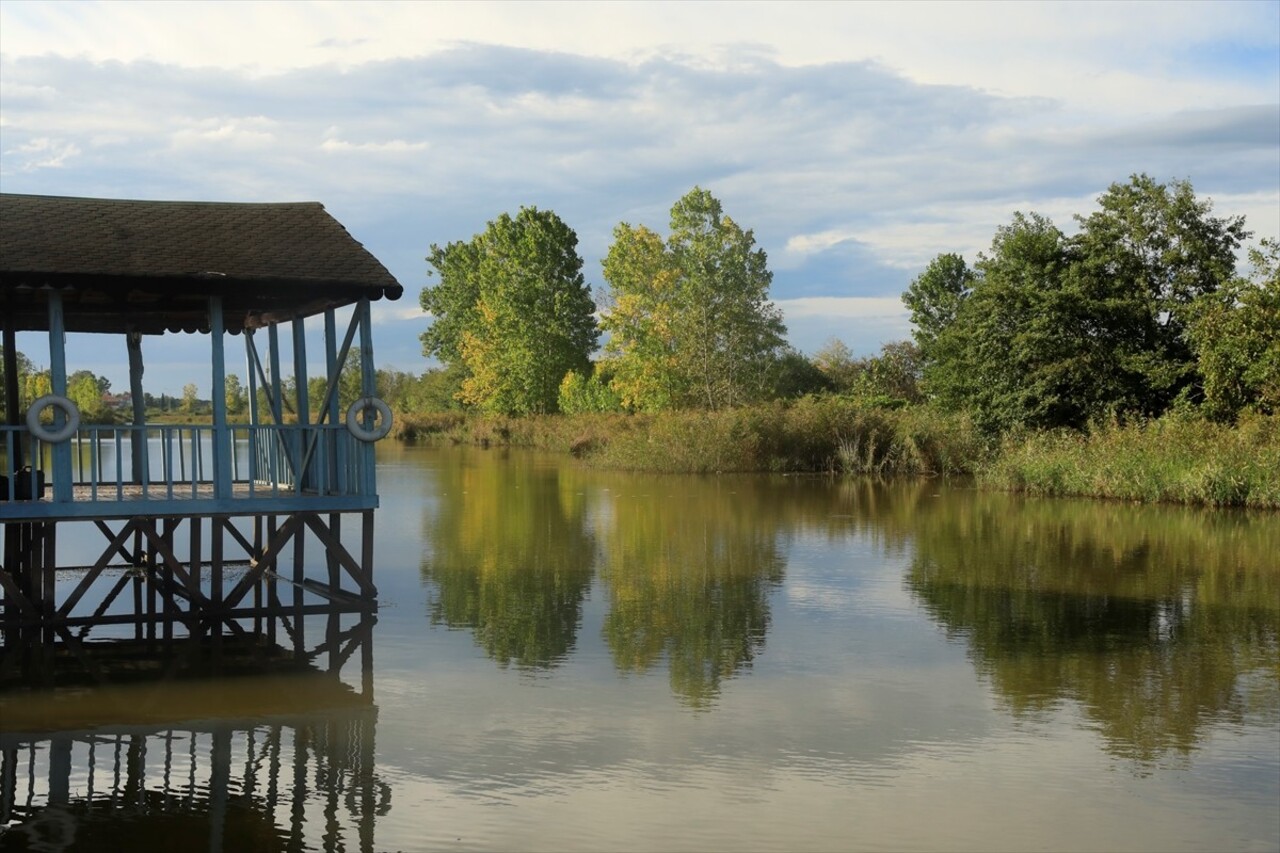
[1173,459]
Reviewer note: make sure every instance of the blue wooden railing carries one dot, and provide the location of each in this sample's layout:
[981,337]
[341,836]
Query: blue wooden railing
[265,468]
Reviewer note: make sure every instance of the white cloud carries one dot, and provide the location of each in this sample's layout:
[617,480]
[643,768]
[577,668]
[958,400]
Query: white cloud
[44,153]
[240,134]
[1113,59]
[843,307]
[390,146]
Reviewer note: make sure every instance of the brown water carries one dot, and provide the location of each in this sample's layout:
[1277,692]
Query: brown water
[569,659]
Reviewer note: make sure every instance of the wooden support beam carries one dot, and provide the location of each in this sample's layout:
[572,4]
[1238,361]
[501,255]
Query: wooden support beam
[274,546]
[113,547]
[336,551]
[166,553]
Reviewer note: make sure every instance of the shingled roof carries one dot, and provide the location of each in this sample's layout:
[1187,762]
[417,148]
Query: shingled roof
[151,265]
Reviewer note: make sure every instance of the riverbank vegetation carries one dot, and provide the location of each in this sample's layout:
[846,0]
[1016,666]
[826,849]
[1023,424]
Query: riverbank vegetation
[1129,360]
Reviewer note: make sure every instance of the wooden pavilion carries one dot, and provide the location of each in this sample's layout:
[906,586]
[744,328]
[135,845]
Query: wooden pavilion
[195,517]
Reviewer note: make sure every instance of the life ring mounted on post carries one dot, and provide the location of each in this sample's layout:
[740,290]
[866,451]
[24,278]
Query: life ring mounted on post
[50,435]
[358,429]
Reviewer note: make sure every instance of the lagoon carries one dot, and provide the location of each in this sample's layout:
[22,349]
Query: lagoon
[574,659]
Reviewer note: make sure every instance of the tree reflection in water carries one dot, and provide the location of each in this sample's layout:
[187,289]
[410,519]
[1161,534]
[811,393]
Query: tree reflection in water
[690,563]
[1158,622]
[514,540]
[510,556]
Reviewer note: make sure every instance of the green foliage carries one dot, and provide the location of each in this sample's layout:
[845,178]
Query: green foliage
[831,434]
[513,308]
[1236,336]
[836,362]
[85,390]
[452,302]
[237,398]
[1057,331]
[24,370]
[793,375]
[190,398]
[935,297]
[690,322]
[890,379]
[580,394]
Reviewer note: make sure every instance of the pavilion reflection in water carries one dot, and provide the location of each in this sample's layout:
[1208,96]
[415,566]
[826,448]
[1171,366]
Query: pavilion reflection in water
[274,757]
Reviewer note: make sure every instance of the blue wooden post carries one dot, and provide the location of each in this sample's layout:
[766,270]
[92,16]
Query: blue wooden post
[303,409]
[253,404]
[58,375]
[221,435]
[337,460]
[367,389]
[280,447]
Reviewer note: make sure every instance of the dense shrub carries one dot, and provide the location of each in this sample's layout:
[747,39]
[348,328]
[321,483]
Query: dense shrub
[1176,458]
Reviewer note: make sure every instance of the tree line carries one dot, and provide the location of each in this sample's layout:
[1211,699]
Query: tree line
[688,317]
[1138,312]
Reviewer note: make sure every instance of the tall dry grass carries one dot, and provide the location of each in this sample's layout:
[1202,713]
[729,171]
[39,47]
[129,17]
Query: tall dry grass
[1172,459]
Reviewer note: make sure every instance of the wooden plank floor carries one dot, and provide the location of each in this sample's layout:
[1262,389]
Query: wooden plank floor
[179,492]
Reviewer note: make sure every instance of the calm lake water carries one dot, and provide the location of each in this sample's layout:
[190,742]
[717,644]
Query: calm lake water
[570,659]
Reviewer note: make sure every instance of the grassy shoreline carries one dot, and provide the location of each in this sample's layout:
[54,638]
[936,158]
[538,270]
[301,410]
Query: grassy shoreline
[1173,459]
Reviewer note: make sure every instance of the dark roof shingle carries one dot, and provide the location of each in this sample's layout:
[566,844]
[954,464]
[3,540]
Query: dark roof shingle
[267,258]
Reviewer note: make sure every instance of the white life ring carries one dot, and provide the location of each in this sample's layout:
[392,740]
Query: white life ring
[46,434]
[358,408]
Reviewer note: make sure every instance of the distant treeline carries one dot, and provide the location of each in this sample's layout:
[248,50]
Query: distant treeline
[1131,359]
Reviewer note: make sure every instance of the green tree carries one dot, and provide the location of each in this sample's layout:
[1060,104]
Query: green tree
[890,379]
[452,302]
[531,319]
[1144,258]
[579,394]
[439,388]
[85,390]
[1236,336]
[24,368]
[190,398]
[690,320]
[935,297]
[837,363]
[1055,331]
[236,396]
[794,375]
[981,359]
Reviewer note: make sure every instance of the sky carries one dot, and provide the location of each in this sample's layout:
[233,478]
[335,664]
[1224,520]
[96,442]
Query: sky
[856,140]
